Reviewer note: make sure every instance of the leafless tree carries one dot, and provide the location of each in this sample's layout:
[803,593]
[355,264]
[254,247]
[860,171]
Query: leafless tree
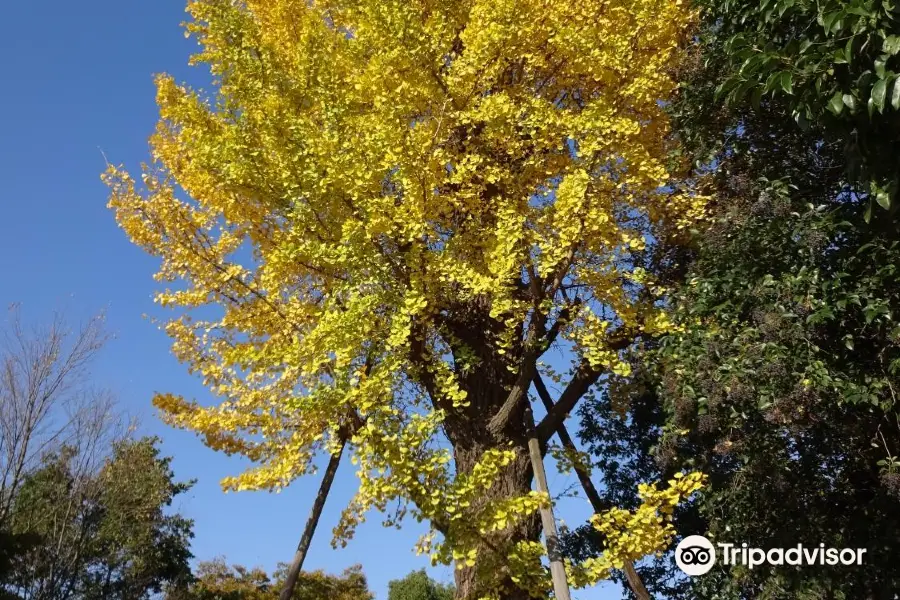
[46,400]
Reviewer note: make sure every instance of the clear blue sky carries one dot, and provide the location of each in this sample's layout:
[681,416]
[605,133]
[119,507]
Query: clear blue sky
[77,79]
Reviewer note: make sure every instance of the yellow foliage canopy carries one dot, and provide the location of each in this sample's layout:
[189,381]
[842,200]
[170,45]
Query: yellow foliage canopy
[376,184]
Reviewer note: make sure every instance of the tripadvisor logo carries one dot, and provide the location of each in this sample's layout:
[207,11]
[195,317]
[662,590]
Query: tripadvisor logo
[695,555]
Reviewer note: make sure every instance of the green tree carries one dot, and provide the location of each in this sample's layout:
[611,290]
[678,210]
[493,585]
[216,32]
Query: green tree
[782,390]
[419,586]
[217,580]
[782,384]
[621,427]
[104,534]
[785,391]
[311,585]
[830,66]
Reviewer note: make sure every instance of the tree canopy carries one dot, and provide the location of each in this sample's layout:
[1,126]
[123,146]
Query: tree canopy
[780,381]
[833,68]
[217,580]
[395,209]
[419,586]
[98,535]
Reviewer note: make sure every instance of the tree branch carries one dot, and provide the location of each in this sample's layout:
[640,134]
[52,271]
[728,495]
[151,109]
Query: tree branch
[585,377]
[518,392]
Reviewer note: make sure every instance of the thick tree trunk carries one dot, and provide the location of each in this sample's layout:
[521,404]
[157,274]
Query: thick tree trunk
[488,385]
[515,480]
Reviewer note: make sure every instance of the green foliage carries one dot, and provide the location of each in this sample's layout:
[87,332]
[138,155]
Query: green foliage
[217,580]
[620,428]
[782,389]
[350,585]
[816,320]
[782,385]
[98,534]
[12,546]
[831,65]
[419,586]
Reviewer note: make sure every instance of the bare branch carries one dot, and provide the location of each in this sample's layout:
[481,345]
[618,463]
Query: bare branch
[585,376]
[45,403]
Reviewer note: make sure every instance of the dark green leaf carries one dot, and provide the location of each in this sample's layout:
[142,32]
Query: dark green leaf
[891,45]
[879,92]
[739,92]
[836,104]
[756,96]
[726,87]
[751,64]
[832,21]
[785,80]
[772,82]
[860,11]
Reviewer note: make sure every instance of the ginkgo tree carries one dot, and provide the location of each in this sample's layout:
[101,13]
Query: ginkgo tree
[392,209]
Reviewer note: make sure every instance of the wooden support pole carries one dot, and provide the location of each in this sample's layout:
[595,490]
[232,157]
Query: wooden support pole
[631,574]
[557,567]
[303,547]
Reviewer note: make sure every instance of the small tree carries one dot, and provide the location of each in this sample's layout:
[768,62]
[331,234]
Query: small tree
[99,535]
[217,580]
[419,586]
[46,400]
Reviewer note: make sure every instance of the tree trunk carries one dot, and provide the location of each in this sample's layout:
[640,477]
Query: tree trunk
[515,480]
[488,384]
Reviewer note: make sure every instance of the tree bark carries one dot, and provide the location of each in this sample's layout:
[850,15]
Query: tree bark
[488,387]
[497,386]
[514,480]
[303,547]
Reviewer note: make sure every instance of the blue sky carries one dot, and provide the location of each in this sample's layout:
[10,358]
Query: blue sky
[77,80]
